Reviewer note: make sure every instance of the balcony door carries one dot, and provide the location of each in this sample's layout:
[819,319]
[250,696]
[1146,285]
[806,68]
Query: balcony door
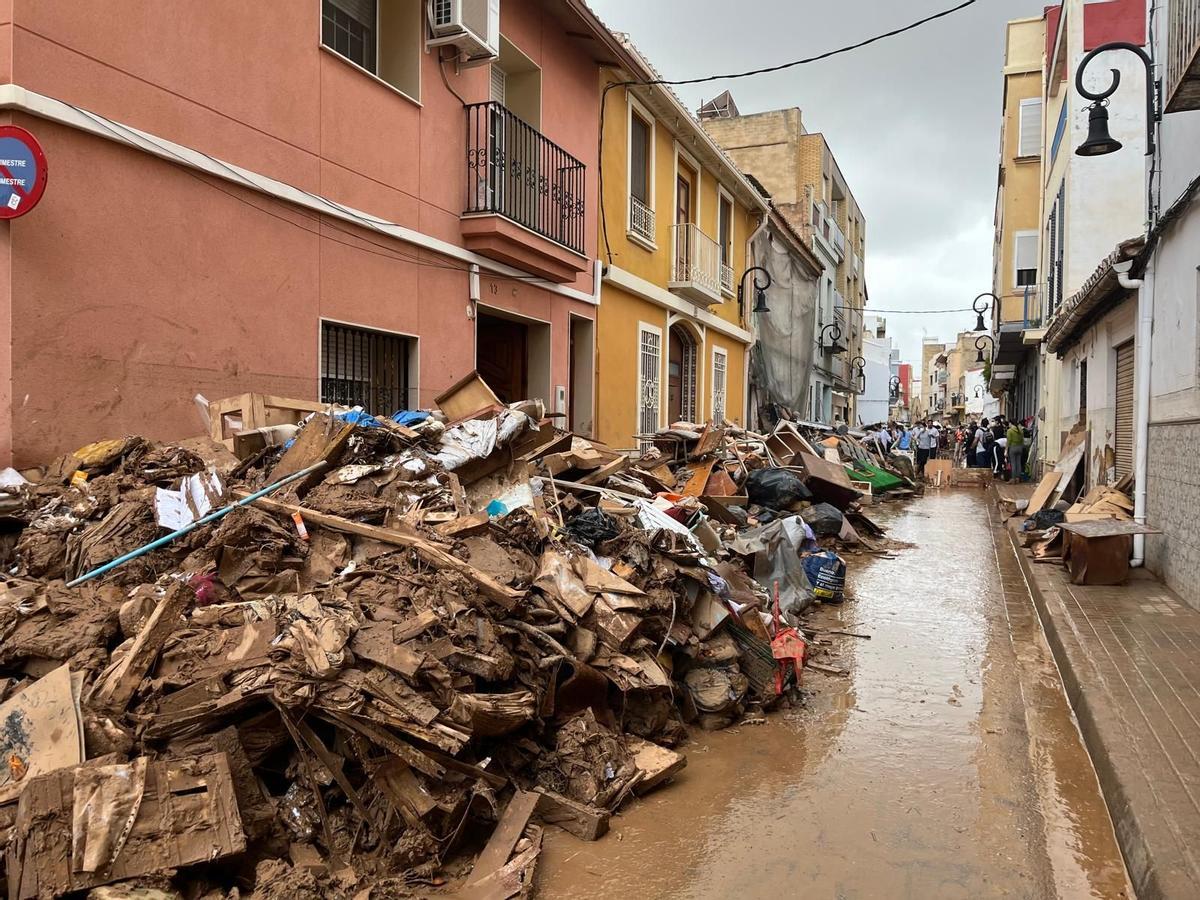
[683,215]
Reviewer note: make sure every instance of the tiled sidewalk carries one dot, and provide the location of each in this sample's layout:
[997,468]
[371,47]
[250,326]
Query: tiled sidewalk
[1130,659]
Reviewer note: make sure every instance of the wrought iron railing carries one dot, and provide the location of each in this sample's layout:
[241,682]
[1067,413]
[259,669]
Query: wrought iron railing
[641,219]
[697,260]
[515,171]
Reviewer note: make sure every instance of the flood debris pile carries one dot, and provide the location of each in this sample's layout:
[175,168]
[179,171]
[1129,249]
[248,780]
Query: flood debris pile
[343,659]
[1091,537]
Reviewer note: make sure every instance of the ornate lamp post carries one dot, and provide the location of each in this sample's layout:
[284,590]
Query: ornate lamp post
[980,306]
[835,335]
[860,365]
[979,344]
[1099,141]
[760,289]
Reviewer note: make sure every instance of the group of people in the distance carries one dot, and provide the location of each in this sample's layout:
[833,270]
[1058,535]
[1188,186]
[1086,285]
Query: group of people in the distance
[997,444]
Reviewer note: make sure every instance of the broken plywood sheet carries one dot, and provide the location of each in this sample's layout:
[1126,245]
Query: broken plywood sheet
[41,731]
[188,814]
[1046,488]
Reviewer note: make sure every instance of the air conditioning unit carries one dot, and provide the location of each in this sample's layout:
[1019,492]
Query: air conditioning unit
[473,26]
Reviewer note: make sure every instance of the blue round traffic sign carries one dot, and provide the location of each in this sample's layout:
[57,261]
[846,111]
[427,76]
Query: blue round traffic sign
[22,171]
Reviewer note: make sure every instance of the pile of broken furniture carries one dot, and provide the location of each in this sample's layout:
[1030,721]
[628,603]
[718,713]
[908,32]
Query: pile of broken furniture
[327,653]
[1091,536]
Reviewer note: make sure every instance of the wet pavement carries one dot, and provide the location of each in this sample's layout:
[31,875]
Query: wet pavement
[945,765]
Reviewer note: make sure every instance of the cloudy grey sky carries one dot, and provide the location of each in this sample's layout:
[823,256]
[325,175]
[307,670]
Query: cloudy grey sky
[914,122]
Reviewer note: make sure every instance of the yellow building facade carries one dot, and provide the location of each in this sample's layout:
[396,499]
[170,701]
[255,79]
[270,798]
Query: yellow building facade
[677,218]
[1018,278]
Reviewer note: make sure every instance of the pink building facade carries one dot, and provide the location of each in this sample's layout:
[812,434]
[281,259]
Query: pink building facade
[325,204]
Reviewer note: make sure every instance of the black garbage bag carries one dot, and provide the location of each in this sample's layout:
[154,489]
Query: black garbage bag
[824,519]
[776,488]
[592,527]
[1047,518]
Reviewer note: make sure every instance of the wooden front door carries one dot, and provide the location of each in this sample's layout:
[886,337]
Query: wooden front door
[501,352]
[675,352]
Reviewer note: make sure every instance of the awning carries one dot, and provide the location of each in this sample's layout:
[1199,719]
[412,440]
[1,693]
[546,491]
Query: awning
[1100,293]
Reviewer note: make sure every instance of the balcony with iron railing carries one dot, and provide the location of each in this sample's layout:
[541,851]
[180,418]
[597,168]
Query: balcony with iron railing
[726,280]
[641,220]
[1183,56]
[525,201]
[695,265]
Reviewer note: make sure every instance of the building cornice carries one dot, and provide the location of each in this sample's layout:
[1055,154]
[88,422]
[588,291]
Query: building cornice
[640,287]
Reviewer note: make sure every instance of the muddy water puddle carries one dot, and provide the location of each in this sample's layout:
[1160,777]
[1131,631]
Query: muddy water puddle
[916,775]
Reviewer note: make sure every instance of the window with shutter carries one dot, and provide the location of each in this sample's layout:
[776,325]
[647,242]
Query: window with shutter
[1029,140]
[499,82]
[1025,252]
[639,159]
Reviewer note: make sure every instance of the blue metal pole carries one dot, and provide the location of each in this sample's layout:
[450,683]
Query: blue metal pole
[211,517]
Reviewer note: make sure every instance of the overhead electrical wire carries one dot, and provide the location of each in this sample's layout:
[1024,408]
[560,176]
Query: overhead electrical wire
[704,79]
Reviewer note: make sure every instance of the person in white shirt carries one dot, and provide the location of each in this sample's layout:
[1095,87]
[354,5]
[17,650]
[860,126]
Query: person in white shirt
[925,438]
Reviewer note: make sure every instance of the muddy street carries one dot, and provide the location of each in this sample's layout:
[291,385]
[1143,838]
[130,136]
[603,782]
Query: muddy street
[946,764]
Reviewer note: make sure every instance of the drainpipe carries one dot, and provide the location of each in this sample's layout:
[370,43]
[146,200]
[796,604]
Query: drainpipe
[1145,335]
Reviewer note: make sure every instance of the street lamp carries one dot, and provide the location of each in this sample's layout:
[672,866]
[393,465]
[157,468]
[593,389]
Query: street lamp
[979,342]
[980,310]
[1099,141]
[861,365]
[979,390]
[894,387]
[835,335]
[760,289]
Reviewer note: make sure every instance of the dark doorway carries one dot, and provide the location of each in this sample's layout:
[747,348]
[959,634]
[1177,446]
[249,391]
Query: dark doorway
[681,375]
[501,357]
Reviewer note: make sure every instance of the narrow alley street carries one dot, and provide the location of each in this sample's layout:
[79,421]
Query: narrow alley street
[945,765]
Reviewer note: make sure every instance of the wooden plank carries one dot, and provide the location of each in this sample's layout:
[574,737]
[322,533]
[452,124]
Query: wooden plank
[465,526]
[433,554]
[588,823]
[118,683]
[1046,487]
[414,626]
[508,831]
[698,477]
[321,439]
[657,764]
[378,645]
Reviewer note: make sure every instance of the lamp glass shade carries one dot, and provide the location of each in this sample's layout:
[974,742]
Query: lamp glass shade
[979,326]
[760,302]
[979,357]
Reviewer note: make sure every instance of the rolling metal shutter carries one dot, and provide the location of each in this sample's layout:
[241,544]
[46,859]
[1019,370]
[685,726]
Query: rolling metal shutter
[1123,437]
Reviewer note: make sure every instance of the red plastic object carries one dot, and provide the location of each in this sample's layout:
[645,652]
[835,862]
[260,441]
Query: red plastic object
[788,647]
